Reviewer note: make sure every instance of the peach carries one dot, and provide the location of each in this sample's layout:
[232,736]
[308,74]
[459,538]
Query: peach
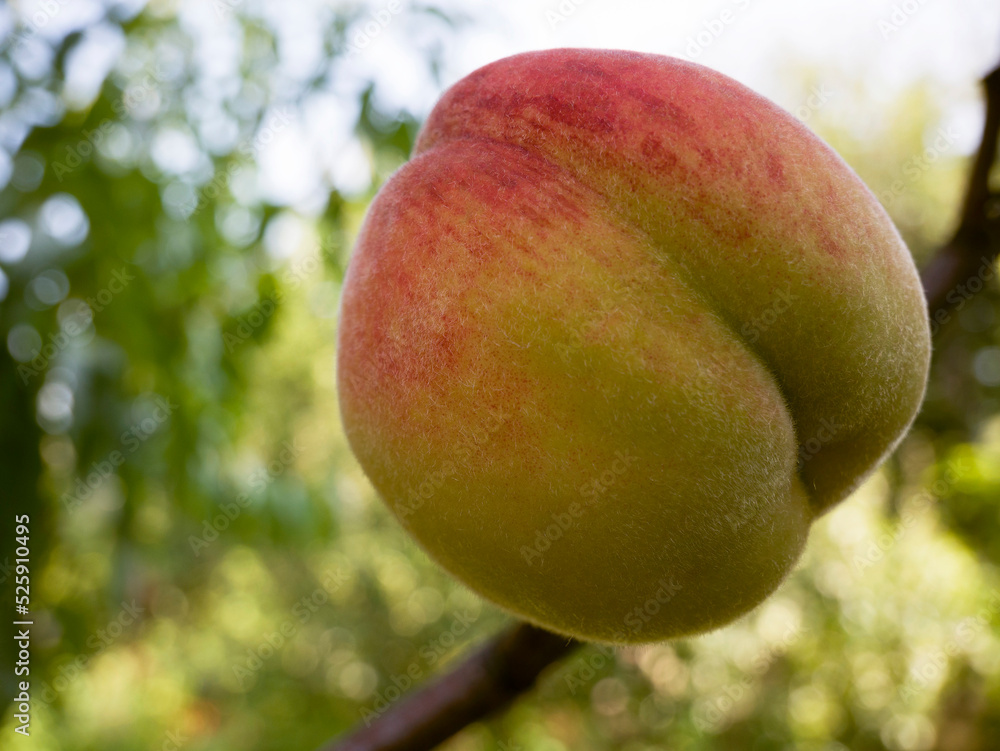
[617,334]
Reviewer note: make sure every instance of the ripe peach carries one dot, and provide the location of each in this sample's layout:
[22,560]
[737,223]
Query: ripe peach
[617,334]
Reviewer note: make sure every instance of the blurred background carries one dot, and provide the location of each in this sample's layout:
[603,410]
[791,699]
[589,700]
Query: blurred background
[180,185]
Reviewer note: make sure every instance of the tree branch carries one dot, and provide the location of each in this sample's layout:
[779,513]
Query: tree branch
[508,666]
[484,682]
[972,248]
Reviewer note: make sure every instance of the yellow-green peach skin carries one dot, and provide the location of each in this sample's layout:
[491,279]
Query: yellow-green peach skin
[617,334]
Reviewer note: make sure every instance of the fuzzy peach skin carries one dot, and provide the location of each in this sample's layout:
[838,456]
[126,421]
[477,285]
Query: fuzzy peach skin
[617,334]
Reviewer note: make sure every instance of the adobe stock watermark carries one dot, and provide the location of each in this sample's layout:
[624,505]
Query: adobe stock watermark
[825,434]
[374,25]
[303,610]
[230,512]
[249,147]
[815,101]
[934,663]
[225,8]
[591,491]
[128,616]
[589,331]
[434,479]
[757,325]
[70,327]
[430,654]
[878,547]
[5,570]
[917,166]
[746,513]
[42,16]
[130,440]
[174,740]
[133,96]
[712,30]
[959,295]
[119,281]
[79,152]
[584,668]
[75,324]
[899,16]
[561,13]
[711,714]
[250,322]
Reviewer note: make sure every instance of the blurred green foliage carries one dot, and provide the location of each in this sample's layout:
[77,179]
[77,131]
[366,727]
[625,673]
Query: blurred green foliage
[211,570]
